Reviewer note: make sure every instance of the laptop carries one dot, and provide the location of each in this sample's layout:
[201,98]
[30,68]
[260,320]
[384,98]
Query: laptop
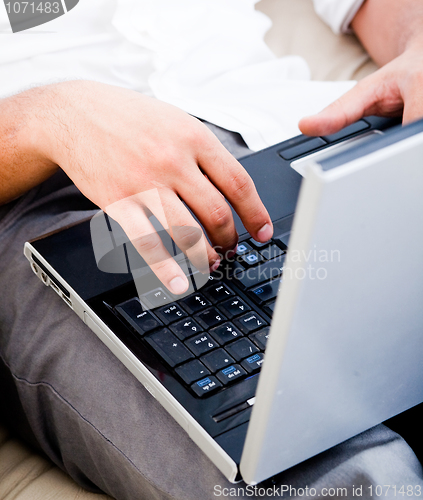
[294,345]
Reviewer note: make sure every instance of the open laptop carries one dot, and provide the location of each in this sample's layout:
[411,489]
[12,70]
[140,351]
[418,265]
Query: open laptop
[264,372]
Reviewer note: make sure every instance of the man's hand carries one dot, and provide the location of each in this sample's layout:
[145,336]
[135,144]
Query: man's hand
[116,144]
[392,32]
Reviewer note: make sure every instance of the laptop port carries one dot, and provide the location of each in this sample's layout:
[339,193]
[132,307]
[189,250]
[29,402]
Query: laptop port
[67,300]
[55,288]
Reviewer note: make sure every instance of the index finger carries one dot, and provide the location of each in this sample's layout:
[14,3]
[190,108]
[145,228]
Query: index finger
[233,181]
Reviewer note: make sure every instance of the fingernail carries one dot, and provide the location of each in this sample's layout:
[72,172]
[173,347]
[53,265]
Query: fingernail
[214,266]
[178,285]
[265,233]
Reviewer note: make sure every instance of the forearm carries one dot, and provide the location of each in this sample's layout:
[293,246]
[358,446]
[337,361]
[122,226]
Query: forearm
[386,28]
[22,166]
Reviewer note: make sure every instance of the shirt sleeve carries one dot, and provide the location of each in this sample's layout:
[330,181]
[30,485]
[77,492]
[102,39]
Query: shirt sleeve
[338,14]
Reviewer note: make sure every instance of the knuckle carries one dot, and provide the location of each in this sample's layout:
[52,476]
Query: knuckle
[240,185]
[165,268]
[149,244]
[187,236]
[220,216]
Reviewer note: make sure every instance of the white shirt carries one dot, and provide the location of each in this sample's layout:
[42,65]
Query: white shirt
[207,57]
[338,13]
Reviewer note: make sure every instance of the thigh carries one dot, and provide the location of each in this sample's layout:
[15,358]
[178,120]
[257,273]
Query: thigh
[96,421]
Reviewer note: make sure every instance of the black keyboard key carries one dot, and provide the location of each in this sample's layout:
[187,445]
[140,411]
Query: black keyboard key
[202,343]
[234,307]
[230,267]
[271,252]
[241,349]
[260,338]
[156,298]
[253,363]
[186,328]
[195,303]
[269,308]
[250,322]
[142,321]
[258,245]
[225,333]
[252,258]
[206,386]
[243,248]
[170,348]
[217,292]
[210,318]
[216,360]
[192,371]
[261,273]
[282,240]
[301,149]
[170,313]
[266,291]
[230,374]
[345,132]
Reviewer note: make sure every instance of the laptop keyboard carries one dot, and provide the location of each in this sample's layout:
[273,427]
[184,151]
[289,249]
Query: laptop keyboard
[216,336]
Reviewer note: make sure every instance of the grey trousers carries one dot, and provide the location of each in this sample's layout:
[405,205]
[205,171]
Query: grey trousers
[63,391]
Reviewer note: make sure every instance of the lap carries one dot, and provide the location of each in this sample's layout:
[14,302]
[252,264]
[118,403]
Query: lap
[95,420]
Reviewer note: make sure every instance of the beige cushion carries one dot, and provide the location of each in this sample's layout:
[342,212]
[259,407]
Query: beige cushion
[24,475]
[296,29]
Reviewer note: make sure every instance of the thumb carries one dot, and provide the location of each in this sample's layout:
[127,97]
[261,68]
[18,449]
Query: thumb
[360,101]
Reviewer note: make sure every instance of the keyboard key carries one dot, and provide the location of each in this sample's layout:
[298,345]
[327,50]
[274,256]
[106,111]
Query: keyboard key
[271,252]
[241,349]
[192,371]
[195,303]
[229,268]
[230,374]
[269,308]
[217,292]
[170,348]
[250,322]
[252,258]
[142,321]
[345,132]
[243,248]
[156,298]
[305,147]
[253,363]
[186,328]
[200,344]
[170,313]
[260,338]
[266,291]
[210,318]
[216,360]
[206,386]
[257,244]
[225,333]
[282,240]
[261,273]
[234,307]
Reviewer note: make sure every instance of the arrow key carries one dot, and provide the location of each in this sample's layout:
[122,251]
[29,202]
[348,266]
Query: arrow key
[185,328]
[225,332]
